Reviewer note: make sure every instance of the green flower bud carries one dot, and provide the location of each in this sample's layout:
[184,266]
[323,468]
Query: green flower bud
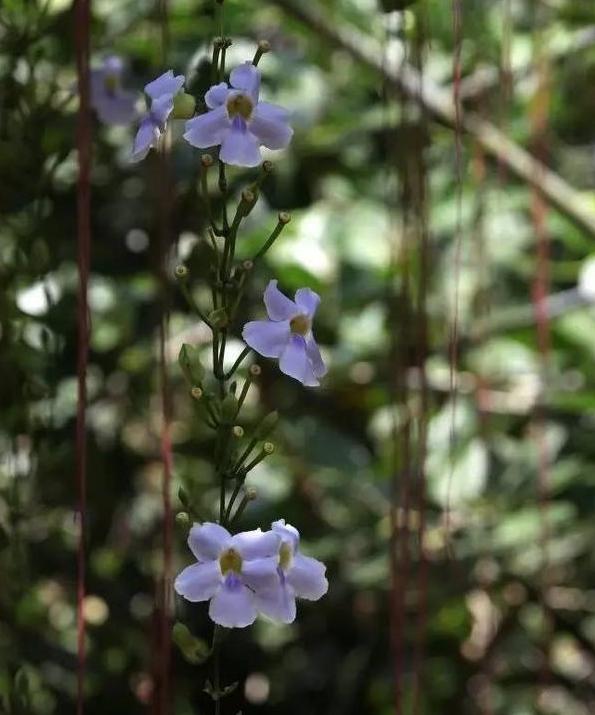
[194,650]
[183,519]
[181,272]
[229,408]
[268,447]
[284,218]
[184,105]
[255,370]
[251,494]
[196,392]
[183,497]
[218,318]
[206,160]
[189,360]
[238,431]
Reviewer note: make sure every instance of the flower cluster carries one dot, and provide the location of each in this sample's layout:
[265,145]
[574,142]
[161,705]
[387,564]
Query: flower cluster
[250,573]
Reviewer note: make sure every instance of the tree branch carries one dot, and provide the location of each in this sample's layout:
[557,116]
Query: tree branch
[439,104]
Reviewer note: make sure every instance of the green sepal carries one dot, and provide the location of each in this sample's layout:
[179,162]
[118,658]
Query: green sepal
[229,408]
[195,650]
[184,105]
[189,359]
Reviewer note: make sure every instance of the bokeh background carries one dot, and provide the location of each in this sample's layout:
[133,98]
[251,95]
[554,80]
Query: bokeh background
[457,524]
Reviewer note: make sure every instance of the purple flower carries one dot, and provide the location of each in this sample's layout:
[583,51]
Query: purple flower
[298,576]
[238,121]
[162,92]
[229,571]
[113,104]
[287,334]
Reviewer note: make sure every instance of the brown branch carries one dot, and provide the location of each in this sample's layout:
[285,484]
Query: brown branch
[438,103]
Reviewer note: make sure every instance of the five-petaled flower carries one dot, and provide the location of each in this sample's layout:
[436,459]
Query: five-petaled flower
[287,334]
[238,121]
[162,92]
[229,571]
[113,104]
[299,576]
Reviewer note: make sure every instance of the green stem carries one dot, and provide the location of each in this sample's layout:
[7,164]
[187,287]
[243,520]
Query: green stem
[245,352]
[192,303]
[233,498]
[272,238]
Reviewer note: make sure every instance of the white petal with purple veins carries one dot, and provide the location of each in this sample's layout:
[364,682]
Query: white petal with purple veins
[146,137]
[208,129]
[295,362]
[216,95]
[307,300]
[256,544]
[239,147]
[233,605]
[206,541]
[166,83]
[279,306]
[267,337]
[277,603]
[199,582]
[260,574]
[247,78]
[307,576]
[270,130]
[318,366]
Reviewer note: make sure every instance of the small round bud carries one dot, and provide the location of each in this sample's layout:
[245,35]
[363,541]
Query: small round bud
[268,447]
[206,160]
[264,46]
[196,392]
[251,494]
[247,265]
[255,370]
[184,105]
[284,217]
[267,166]
[183,519]
[181,271]
[249,197]
[238,431]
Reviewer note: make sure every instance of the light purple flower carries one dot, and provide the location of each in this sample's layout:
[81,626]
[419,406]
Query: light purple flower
[162,92]
[287,334]
[238,121]
[229,571]
[113,104]
[298,576]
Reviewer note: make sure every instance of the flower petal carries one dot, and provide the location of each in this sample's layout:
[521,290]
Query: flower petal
[260,574]
[267,337]
[269,128]
[256,544]
[166,83]
[233,605]
[146,137]
[307,576]
[295,362]
[277,603]
[247,78]
[307,300]
[279,306]
[207,541]
[318,366]
[216,95]
[239,147]
[161,108]
[113,65]
[114,108]
[199,582]
[287,533]
[207,129]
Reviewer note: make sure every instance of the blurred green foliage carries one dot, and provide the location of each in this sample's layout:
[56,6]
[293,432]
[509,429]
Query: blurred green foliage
[334,464]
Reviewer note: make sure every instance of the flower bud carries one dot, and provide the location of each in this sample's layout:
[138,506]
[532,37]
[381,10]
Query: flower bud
[264,46]
[248,196]
[181,272]
[206,160]
[183,496]
[247,265]
[251,494]
[183,519]
[255,370]
[267,166]
[218,318]
[229,408]
[268,448]
[184,105]
[196,392]
[238,431]
[284,218]
[194,650]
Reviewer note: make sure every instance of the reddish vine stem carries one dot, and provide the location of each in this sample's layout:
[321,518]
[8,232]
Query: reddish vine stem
[83,200]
